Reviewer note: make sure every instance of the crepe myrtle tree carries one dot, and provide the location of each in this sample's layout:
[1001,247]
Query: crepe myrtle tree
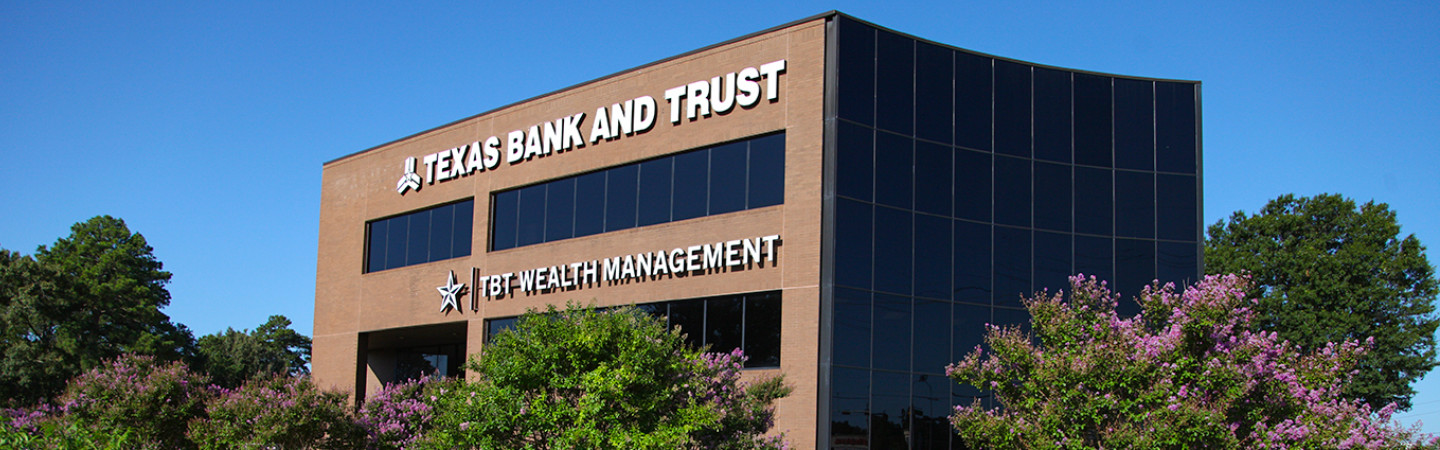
[1188,371]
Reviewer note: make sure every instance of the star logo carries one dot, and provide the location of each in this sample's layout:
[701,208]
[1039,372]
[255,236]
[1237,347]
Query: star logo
[449,294]
[410,180]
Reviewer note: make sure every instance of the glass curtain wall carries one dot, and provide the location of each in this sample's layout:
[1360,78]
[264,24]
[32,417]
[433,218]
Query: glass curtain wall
[964,182]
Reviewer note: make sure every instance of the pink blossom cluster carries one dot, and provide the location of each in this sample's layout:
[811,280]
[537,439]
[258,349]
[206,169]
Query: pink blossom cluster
[1189,369]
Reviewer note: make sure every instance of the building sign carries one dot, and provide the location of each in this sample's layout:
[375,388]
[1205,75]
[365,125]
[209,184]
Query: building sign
[696,100]
[693,260]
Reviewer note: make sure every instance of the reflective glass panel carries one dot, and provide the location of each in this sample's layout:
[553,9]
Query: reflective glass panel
[972,262]
[767,170]
[932,256]
[933,92]
[1012,108]
[1134,204]
[1176,198]
[972,185]
[590,204]
[655,178]
[1052,196]
[1093,142]
[560,209]
[1175,127]
[1012,191]
[1052,114]
[853,254]
[856,66]
[933,176]
[530,228]
[620,197]
[851,346]
[1094,201]
[973,96]
[894,170]
[855,161]
[728,175]
[1134,124]
[1012,265]
[893,250]
[895,95]
[692,183]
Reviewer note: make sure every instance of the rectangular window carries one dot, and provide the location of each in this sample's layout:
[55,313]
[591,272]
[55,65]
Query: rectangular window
[714,180]
[430,234]
[750,322]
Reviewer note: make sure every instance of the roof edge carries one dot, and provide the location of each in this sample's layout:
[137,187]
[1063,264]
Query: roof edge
[827,14]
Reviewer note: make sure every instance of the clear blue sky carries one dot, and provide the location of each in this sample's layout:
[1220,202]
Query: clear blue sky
[204,125]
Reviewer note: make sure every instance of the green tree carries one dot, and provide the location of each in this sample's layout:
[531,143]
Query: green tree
[1188,372]
[581,379]
[233,357]
[1326,270]
[85,299]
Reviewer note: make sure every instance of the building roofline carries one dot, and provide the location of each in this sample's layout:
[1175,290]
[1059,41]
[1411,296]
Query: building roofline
[1003,58]
[829,15]
[826,15]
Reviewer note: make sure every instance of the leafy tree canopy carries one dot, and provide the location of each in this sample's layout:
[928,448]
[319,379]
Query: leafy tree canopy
[581,379]
[233,357]
[1187,372]
[1326,270]
[85,299]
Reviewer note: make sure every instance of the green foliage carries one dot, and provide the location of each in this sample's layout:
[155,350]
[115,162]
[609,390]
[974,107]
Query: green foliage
[1188,372]
[278,412]
[137,396]
[86,299]
[233,357]
[59,435]
[1326,270]
[580,379]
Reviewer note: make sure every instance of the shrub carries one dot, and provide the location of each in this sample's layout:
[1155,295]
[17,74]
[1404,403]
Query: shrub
[138,397]
[1186,372]
[277,412]
[582,379]
[398,415]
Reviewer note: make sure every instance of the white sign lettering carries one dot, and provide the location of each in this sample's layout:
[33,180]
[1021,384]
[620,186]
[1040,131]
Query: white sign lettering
[698,100]
[676,262]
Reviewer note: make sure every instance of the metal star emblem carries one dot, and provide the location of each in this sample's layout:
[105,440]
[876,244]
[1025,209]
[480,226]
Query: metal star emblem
[449,293]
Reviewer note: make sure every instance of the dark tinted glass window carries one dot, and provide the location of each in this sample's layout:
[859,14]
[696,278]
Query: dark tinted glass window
[852,328]
[417,244]
[892,332]
[890,401]
[1012,265]
[1175,127]
[930,428]
[1012,108]
[1134,204]
[973,104]
[894,170]
[1012,191]
[972,262]
[655,178]
[856,67]
[762,329]
[855,158]
[893,250]
[1177,262]
[1177,202]
[692,184]
[853,254]
[933,178]
[1052,196]
[972,185]
[375,256]
[1094,257]
[969,324]
[933,92]
[560,210]
[422,236]
[895,96]
[1134,125]
[932,256]
[1052,115]
[725,323]
[397,236]
[531,227]
[590,204]
[1012,317]
[932,336]
[767,170]
[1092,120]
[1052,261]
[1134,266]
[620,197]
[442,220]
[850,406]
[1094,205]
[464,228]
[728,177]
[690,317]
